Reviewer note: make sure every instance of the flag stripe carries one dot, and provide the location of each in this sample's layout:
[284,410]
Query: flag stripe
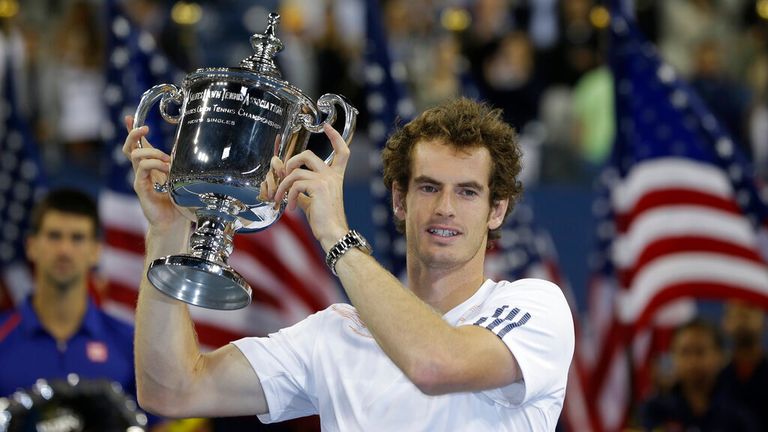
[124,240]
[669,173]
[676,221]
[672,245]
[662,198]
[676,269]
[278,267]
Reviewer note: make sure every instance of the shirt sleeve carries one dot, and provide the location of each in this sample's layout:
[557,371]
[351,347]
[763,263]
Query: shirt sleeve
[532,317]
[283,363]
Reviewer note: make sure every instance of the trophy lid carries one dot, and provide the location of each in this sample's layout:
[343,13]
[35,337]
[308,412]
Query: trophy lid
[265,46]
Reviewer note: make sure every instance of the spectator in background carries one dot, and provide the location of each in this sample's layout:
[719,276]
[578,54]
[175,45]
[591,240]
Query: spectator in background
[695,402]
[441,81]
[59,330]
[729,100]
[576,50]
[594,115]
[510,81]
[491,20]
[79,81]
[745,378]
[682,25]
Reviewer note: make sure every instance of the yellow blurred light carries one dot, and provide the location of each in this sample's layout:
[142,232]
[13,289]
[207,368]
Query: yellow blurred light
[291,18]
[8,8]
[599,17]
[186,13]
[455,19]
[762,9]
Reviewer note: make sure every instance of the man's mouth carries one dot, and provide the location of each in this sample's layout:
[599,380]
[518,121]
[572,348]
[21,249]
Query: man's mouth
[443,232]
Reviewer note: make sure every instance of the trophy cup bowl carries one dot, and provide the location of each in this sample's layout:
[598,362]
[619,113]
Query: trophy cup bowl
[231,122]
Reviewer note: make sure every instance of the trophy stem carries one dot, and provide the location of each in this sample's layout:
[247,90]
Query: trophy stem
[203,277]
[216,224]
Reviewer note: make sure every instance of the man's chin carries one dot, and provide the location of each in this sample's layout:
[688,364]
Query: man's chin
[64,284]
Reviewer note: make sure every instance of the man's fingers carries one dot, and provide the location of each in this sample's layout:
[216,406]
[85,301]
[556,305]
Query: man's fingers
[277,166]
[268,187]
[128,121]
[288,183]
[140,154]
[340,148]
[132,140]
[307,158]
[299,189]
[152,169]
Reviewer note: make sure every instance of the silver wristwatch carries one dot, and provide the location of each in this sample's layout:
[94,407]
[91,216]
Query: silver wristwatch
[351,239]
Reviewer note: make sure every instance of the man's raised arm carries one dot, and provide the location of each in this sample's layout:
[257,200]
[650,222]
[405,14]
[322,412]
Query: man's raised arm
[173,377]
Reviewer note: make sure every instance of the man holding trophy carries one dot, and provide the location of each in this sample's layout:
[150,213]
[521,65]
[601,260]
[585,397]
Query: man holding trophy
[450,350]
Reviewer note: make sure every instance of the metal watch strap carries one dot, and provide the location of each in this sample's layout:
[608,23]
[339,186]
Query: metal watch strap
[351,239]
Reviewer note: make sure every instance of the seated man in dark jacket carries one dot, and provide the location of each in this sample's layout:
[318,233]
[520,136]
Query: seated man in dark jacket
[696,401]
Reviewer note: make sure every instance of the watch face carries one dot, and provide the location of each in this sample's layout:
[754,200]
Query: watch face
[363,243]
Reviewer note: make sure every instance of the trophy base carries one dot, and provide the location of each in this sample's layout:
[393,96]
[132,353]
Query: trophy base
[200,282]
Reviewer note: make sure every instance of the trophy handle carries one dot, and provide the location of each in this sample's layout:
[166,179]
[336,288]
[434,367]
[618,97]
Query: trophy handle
[167,93]
[326,105]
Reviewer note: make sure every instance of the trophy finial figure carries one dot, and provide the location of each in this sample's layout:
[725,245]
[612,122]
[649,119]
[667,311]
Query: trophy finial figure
[274,19]
[265,46]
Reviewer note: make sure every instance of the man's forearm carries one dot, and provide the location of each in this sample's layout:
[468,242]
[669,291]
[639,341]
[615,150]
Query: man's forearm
[166,345]
[437,357]
[411,333]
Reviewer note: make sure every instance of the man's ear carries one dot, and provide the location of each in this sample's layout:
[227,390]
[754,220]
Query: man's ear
[31,247]
[96,254]
[398,201]
[498,210]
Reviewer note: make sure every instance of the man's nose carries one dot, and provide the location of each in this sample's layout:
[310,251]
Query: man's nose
[445,205]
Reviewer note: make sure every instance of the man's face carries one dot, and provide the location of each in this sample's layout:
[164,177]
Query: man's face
[446,208]
[64,249]
[743,323]
[697,359]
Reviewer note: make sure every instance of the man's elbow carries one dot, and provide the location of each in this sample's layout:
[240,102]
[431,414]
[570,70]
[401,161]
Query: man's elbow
[162,401]
[433,377]
[154,404]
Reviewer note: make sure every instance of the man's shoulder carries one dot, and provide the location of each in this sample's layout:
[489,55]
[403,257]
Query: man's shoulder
[537,297]
[343,317]
[529,289]
[529,283]
[9,321]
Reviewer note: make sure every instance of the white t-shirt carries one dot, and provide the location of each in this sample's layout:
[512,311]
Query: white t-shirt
[329,364]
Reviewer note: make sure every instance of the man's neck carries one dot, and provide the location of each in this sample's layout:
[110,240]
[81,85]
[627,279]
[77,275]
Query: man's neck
[699,397]
[60,311]
[747,355]
[444,289]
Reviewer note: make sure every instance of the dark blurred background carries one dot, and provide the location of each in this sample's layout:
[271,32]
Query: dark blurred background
[543,62]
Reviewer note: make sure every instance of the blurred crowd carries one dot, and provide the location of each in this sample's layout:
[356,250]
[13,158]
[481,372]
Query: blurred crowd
[542,62]
[715,378]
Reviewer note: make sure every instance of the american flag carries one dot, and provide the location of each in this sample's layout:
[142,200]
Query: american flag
[283,263]
[679,217]
[22,183]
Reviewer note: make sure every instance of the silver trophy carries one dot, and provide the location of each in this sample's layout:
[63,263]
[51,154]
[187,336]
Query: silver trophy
[230,124]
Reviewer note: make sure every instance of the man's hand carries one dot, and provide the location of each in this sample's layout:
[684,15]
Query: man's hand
[315,187]
[150,166]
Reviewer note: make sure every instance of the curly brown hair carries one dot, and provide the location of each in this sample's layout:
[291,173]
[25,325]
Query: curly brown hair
[462,124]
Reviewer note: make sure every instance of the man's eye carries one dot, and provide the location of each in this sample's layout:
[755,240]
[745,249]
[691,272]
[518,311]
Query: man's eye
[428,188]
[469,192]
